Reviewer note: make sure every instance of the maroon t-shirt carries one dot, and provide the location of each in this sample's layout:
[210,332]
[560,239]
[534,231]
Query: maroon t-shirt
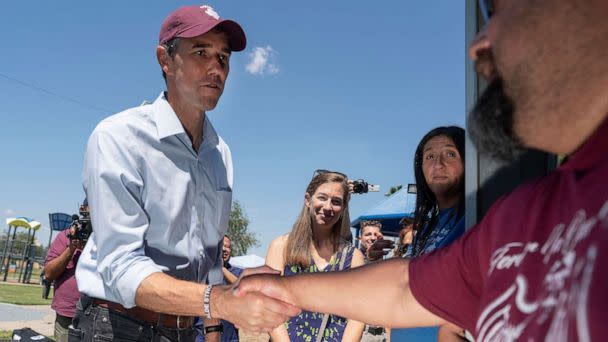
[66,293]
[536,267]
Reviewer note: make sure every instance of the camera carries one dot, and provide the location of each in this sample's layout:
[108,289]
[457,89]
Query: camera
[361,187]
[81,225]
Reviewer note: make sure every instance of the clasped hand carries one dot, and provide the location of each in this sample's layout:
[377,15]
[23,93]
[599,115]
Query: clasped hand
[251,306]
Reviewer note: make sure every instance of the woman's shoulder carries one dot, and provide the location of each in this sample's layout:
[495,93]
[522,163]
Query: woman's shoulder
[279,242]
[276,253]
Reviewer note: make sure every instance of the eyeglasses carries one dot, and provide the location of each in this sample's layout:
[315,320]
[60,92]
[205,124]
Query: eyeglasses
[321,171]
[487,9]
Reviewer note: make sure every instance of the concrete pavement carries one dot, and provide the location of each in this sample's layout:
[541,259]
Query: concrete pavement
[40,318]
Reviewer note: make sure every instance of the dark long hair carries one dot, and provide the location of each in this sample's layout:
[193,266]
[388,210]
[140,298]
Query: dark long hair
[427,211]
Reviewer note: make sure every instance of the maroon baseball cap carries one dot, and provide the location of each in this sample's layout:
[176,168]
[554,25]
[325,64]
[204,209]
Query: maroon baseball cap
[192,21]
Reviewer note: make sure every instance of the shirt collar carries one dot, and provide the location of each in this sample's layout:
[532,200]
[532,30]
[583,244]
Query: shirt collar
[168,124]
[593,151]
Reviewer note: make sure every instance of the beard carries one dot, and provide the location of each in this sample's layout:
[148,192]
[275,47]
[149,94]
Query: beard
[490,124]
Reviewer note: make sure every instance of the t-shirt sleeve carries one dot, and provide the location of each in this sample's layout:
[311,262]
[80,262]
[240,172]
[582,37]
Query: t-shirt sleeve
[448,282]
[59,244]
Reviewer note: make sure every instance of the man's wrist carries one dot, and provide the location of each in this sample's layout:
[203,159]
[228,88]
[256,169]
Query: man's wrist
[216,297]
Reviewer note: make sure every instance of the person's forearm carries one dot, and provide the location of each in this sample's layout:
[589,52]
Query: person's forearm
[228,276]
[334,292]
[54,268]
[353,331]
[162,293]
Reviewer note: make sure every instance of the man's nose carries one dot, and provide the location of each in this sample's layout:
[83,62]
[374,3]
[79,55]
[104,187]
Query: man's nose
[215,68]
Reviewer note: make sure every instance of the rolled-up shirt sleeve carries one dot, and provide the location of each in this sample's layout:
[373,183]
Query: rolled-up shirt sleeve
[113,185]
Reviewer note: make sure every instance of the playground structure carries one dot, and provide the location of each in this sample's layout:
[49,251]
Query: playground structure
[18,255]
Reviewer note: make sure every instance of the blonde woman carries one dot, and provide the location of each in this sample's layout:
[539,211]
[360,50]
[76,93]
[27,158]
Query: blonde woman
[317,243]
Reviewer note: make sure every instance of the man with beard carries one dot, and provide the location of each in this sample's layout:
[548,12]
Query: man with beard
[532,269]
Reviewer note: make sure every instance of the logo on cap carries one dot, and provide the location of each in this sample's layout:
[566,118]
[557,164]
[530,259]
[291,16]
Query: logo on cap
[210,12]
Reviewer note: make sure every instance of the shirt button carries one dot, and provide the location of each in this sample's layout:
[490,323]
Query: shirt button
[104,319]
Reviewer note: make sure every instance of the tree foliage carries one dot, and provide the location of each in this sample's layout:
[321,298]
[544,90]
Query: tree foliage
[242,239]
[18,245]
[393,189]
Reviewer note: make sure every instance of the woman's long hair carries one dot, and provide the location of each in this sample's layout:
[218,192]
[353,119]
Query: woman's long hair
[297,251]
[427,211]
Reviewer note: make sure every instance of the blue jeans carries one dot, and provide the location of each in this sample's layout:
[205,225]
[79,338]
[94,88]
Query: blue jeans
[95,323]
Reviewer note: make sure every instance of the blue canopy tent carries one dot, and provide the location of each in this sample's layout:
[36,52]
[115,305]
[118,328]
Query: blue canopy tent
[389,212]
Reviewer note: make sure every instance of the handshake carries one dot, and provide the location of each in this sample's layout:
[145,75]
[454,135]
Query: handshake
[258,301]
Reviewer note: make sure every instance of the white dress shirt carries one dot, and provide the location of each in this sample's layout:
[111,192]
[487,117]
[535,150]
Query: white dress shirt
[156,204]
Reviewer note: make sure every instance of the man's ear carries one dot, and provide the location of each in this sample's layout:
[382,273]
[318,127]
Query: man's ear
[163,59]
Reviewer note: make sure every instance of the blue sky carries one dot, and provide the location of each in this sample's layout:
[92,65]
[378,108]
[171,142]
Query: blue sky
[343,85]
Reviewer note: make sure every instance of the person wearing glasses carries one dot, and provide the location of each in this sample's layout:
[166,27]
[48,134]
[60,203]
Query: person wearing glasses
[533,269]
[318,243]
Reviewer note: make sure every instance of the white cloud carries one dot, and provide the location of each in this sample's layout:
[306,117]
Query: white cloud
[263,60]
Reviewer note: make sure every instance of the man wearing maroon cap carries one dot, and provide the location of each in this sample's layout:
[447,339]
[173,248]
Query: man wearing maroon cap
[159,183]
[534,269]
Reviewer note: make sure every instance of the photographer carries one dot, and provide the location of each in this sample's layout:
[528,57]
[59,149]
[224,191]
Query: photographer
[60,267]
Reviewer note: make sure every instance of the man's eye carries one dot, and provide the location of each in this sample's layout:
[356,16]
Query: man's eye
[201,53]
[451,154]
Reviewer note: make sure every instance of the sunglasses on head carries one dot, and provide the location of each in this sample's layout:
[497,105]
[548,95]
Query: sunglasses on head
[321,171]
[486,8]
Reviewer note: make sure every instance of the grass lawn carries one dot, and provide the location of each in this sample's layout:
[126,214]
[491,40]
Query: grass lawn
[6,335]
[23,295]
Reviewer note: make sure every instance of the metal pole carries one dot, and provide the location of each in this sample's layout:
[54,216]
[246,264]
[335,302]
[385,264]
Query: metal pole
[4,252]
[10,254]
[51,229]
[30,259]
[24,256]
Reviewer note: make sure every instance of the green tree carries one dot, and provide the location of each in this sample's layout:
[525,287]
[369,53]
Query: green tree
[393,189]
[242,239]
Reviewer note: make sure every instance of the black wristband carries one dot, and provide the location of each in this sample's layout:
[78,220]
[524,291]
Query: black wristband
[214,328]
